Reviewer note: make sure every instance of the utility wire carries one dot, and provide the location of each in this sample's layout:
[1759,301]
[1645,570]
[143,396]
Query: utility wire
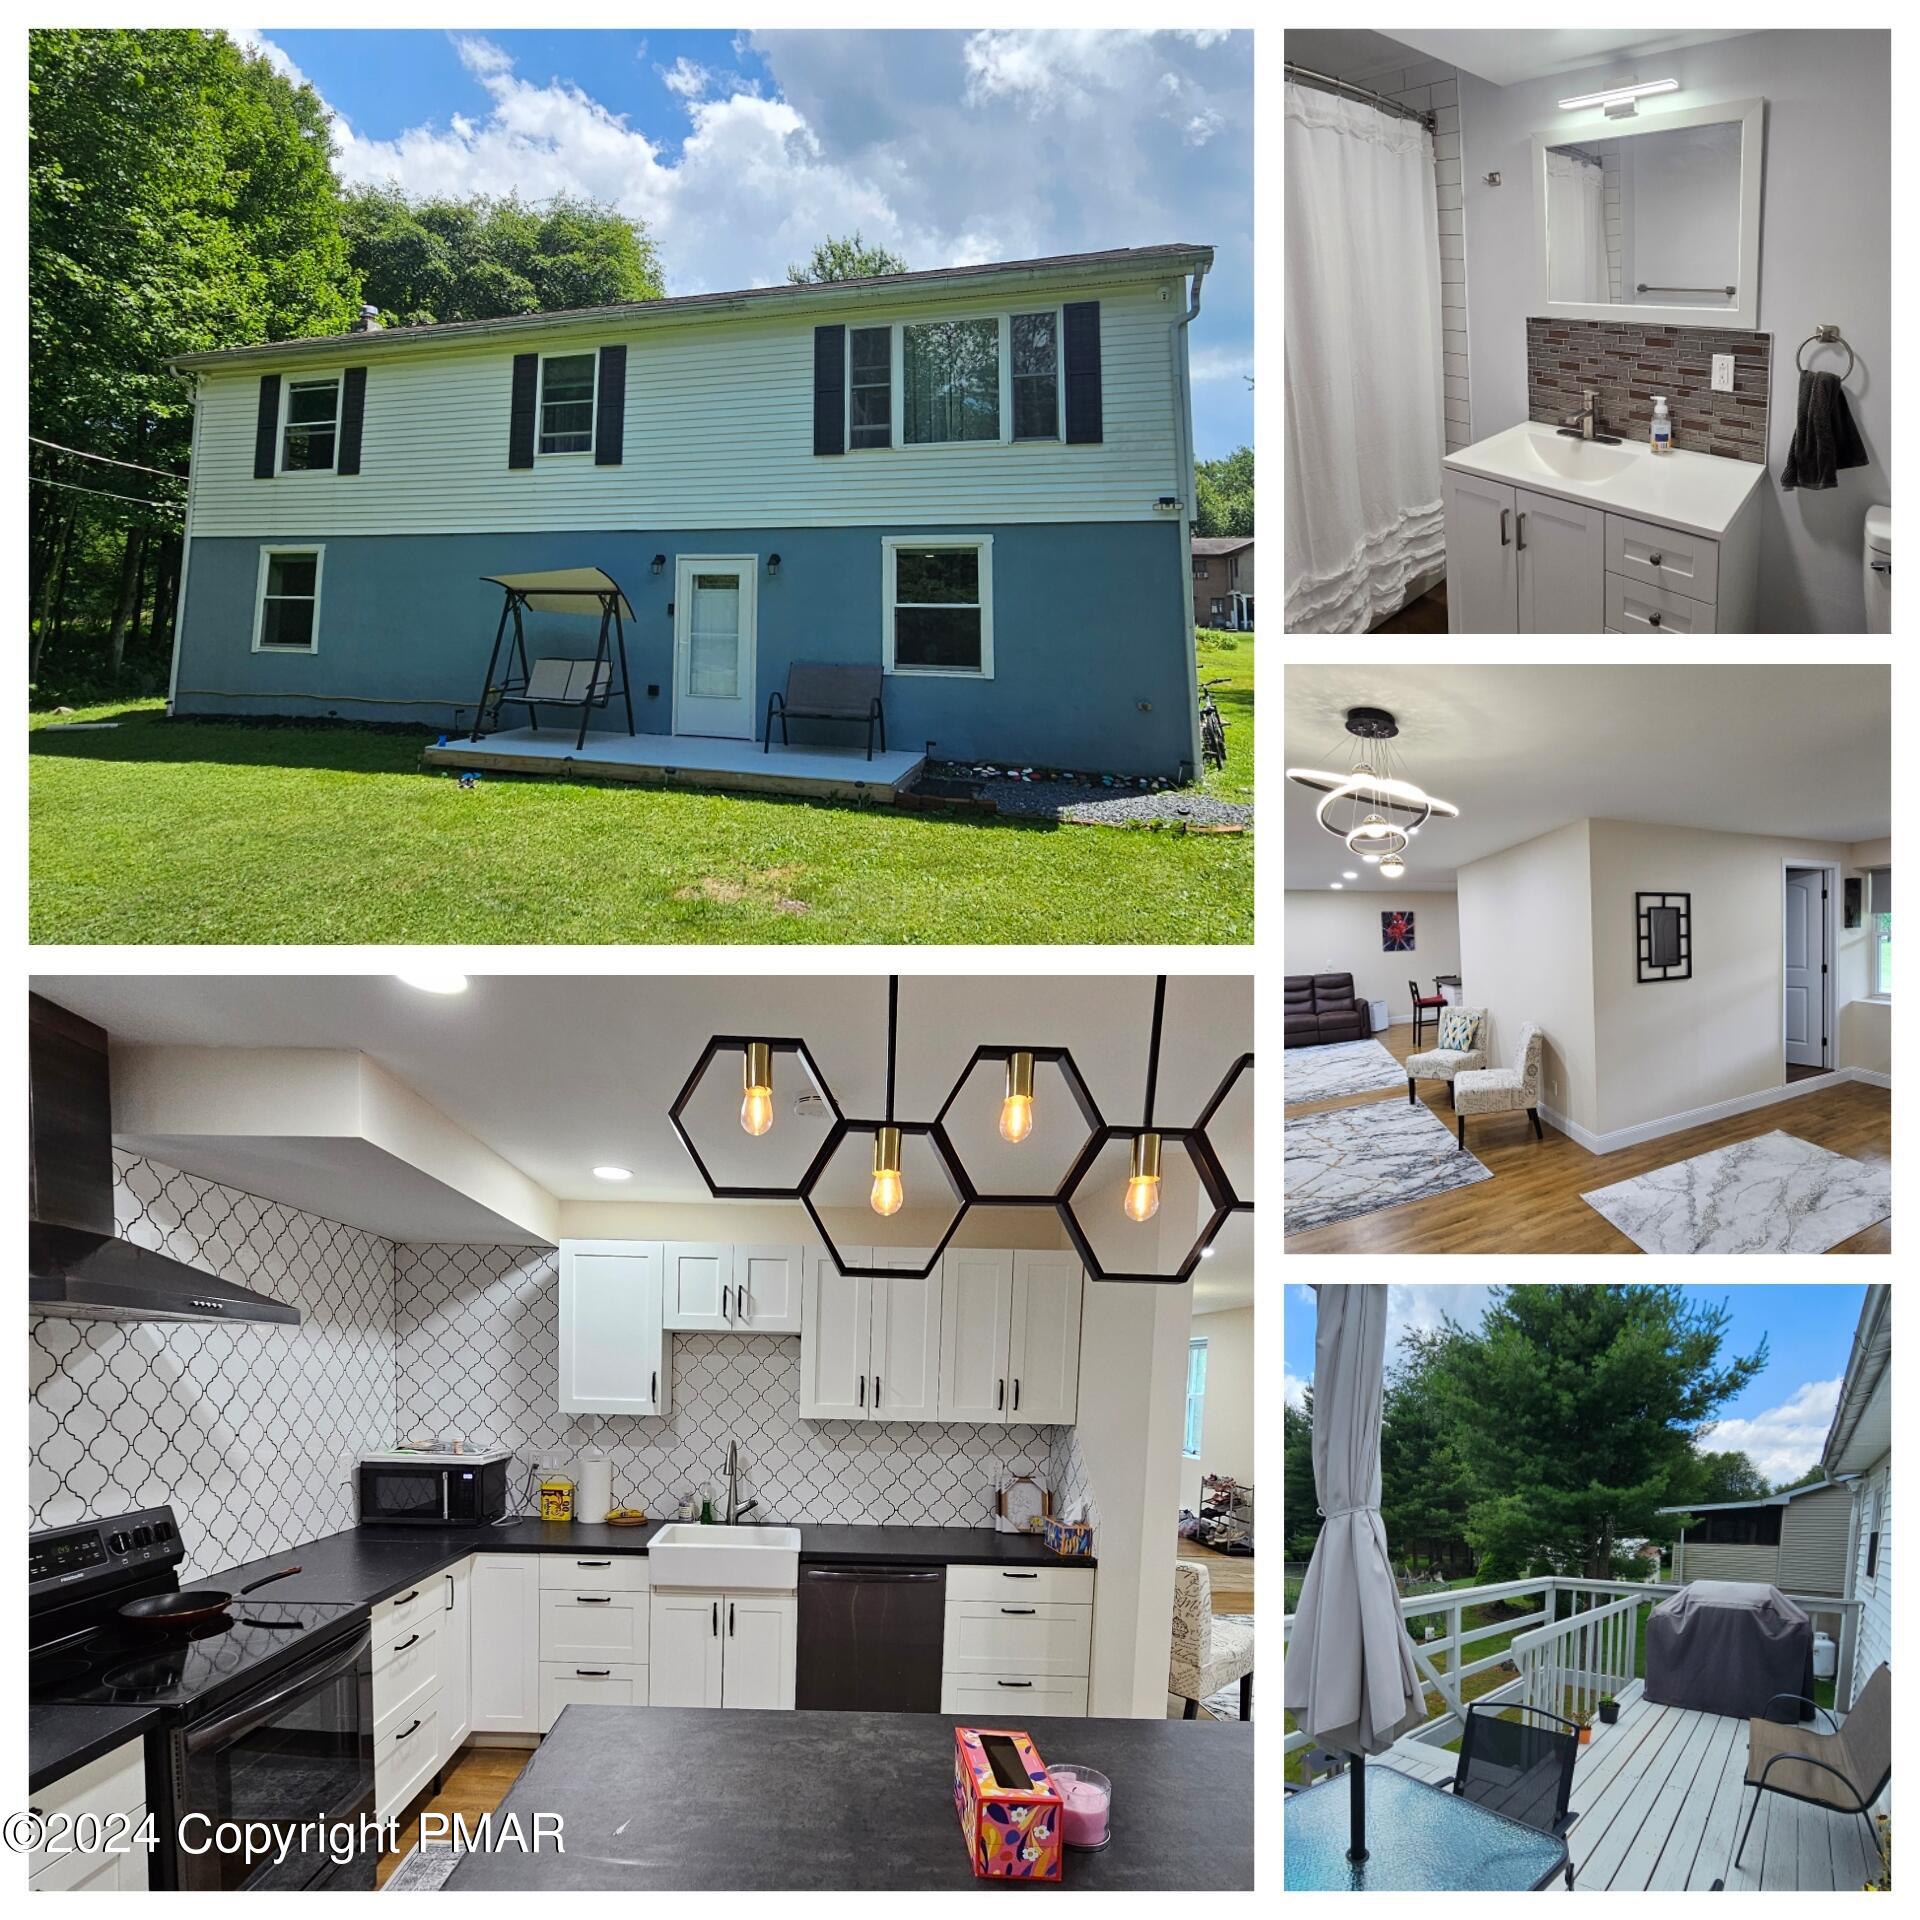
[79,454]
[164,506]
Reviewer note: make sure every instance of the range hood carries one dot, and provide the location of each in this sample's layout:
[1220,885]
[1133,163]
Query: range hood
[78,1268]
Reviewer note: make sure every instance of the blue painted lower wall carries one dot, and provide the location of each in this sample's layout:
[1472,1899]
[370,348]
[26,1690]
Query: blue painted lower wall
[1089,642]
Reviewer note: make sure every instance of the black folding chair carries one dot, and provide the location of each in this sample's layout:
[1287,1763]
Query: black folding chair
[1520,1770]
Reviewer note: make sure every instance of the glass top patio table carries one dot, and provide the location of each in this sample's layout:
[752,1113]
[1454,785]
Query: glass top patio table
[1419,1840]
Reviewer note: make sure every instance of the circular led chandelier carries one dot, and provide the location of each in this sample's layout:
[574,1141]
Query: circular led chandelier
[1371,807]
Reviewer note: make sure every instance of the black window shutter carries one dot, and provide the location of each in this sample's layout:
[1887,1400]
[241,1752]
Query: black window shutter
[353,411]
[829,389]
[267,432]
[610,414]
[1083,370]
[526,381]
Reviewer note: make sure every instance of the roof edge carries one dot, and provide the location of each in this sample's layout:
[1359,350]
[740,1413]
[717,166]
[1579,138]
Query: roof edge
[1867,1367]
[1771,1500]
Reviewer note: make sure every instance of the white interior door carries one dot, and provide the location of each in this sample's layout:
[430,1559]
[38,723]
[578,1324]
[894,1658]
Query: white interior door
[1806,922]
[713,634]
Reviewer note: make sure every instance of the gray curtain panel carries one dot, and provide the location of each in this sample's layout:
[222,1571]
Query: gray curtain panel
[1351,1680]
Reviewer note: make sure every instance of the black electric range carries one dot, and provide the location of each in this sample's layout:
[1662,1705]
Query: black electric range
[266,1710]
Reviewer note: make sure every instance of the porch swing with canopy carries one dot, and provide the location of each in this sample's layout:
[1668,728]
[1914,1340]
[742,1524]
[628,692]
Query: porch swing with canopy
[557,681]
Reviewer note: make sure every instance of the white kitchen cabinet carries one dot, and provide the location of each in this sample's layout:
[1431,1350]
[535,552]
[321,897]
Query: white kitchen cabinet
[766,1289]
[835,1338]
[615,1356]
[1044,1365]
[905,1347]
[870,1348]
[593,1626]
[611,1685]
[1562,571]
[111,1788]
[1018,1639]
[456,1658]
[696,1288]
[405,1757]
[976,1313]
[505,1591]
[759,1631]
[684,1648]
[1482,566]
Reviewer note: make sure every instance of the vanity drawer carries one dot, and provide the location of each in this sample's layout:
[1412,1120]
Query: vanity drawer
[593,1573]
[1040,1637]
[1651,556]
[1021,1586]
[1632,608]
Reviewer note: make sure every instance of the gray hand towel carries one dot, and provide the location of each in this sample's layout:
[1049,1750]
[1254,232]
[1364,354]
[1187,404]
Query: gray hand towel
[1824,436]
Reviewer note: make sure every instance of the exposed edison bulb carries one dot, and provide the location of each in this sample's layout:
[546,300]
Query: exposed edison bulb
[1016,1110]
[888,1194]
[756,1103]
[1142,1199]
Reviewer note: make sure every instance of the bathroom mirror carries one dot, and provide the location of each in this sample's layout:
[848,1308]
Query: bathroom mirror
[1656,216]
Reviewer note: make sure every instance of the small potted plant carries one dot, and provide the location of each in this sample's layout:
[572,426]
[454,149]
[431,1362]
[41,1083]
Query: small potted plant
[1586,1729]
[1609,1709]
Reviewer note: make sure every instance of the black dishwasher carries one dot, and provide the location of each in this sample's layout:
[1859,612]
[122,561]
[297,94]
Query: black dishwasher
[870,1638]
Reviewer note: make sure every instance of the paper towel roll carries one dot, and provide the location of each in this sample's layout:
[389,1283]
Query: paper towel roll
[593,1493]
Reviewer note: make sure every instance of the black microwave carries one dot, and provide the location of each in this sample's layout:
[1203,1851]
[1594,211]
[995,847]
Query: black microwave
[433,1489]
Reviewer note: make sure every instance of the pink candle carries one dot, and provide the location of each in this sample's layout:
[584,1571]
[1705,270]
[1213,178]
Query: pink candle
[1085,1800]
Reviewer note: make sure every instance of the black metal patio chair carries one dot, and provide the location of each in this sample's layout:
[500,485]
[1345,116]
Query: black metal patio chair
[1845,1771]
[817,690]
[1518,1769]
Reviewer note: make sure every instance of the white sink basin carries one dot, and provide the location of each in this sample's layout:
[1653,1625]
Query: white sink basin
[687,1554]
[1587,463]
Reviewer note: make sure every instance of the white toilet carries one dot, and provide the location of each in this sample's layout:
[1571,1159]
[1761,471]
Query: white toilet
[1876,569]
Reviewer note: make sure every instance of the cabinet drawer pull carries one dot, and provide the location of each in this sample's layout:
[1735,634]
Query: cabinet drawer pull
[863,1389]
[1000,1395]
[593,1563]
[1654,559]
[594,1673]
[400,1646]
[716,1620]
[398,1737]
[1504,541]
[1016,1396]
[1006,1574]
[449,1606]
[594,1599]
[876,1393]
[1653,619]
[1019,1609]
[1013,1683]
[729,1619]
[1519,533]
[405,1597]
[653,1388]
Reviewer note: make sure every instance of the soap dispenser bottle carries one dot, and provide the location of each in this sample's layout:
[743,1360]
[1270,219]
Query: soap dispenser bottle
[1662,425]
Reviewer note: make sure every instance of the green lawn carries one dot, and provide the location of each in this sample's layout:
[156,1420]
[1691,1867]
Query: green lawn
[165,831]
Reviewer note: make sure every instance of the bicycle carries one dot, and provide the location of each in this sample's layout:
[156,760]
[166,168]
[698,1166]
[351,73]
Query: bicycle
[1213,729]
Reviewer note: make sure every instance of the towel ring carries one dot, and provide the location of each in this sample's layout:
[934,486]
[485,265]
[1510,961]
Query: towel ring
[1823,338]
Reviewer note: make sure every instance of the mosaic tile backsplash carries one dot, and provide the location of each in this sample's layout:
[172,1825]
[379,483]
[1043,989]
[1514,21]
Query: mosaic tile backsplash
[1627,363]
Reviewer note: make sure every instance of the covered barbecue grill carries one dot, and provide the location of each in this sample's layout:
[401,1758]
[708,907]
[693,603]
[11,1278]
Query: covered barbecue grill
[1729,1646]
[587,684]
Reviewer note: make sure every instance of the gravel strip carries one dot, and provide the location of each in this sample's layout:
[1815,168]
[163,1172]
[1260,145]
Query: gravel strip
[1113,806]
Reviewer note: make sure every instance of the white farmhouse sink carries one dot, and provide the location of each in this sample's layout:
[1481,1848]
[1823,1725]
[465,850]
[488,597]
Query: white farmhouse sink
[687,1554]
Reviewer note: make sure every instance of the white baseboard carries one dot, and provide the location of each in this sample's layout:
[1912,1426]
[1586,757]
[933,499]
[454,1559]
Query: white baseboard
[1645,1130]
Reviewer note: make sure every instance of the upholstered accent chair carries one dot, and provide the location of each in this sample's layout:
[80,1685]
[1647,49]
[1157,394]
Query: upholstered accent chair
[1514,1089]
[1461,1048]
[1210,1650]
[1321,1008]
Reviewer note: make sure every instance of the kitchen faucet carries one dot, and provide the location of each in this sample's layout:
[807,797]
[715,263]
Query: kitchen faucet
[735,1510]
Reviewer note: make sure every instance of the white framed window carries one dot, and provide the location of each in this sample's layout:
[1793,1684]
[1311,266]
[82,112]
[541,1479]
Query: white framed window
[1880,930]
[950,380]
[286,606]
[1033,360]
[569,385]
[937,605]
[310,423]
[1196,1398]
[869,387]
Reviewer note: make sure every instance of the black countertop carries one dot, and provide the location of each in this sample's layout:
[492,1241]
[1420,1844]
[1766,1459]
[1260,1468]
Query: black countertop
[59,1739]
[663,1799]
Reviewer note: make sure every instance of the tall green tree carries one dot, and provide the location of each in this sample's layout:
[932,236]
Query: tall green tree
[1725,1478]
[1299,1502]
[1223,496]
[1574,1411]
[1425,1491]
[1807,1477]
[848,259]
[437,258]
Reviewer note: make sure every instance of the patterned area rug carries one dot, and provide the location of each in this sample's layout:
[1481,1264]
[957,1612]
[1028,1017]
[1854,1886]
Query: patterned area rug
[1359,1160]
[1773,1194]
[422,1872]
[1331,1073]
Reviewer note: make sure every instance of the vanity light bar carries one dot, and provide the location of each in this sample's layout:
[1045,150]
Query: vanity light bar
[1610,94]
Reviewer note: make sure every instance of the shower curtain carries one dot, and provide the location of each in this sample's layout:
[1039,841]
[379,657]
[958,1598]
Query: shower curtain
[1364,422]
[1577,230]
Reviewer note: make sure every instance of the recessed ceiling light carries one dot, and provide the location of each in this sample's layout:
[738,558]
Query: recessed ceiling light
[1349,876]
[1336,886]
[613,1173]
[433,980]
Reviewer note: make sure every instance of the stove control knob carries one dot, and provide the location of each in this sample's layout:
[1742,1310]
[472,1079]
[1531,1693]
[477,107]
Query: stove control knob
[143,1536]
[119,1543]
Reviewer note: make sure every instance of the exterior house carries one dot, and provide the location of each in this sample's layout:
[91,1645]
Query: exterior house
[1797,1541]
[1860,1444]
[893,472]
[1223,581]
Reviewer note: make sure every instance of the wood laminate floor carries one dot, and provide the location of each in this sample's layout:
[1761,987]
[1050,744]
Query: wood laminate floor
[1229,1574]
[474,1783]
[1428,614]
[1533,1205]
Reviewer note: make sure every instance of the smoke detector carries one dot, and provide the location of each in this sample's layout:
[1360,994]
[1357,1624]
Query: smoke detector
[810,1106]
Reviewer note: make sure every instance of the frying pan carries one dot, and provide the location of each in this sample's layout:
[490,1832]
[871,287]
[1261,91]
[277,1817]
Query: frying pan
[193,1606]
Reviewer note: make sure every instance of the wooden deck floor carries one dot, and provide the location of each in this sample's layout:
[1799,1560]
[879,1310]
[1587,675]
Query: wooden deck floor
[1661,1802]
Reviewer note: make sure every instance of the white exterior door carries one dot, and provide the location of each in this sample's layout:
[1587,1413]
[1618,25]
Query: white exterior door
[766,1288]
[505,1590]
[698,1289]
[684,1648]
[713,642]
[1805,952]
[905,1350]
[1045,1363]
[613,1356]
[834,1339]
[1480,555]
[1562,551]
[758,1630]
[976,1301]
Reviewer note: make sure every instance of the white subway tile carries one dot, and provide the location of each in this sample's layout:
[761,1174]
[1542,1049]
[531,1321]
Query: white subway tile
[1456,387]
[1450,219]
[1419,98]
[1452,272]
[1447,172]
[1457,410]
[1446,146]
[1454,340]
[1427,72]
[1454,296]
[1453,246]
[1449,195]
[1454,365]
[1445,119]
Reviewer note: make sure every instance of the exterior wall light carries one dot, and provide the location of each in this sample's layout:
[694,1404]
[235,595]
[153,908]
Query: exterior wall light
[773,565]
[659,563]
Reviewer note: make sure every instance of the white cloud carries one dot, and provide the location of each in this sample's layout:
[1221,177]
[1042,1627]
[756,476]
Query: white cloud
[688,78]
[1220,363]
[1420,1309]
[480,55]
[1203,126]
[1295,1390]
[1785,1440]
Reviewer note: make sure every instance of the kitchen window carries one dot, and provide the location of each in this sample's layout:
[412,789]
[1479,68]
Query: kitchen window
[870,387]
[566,402]
[938,606]
[950,381]
[1880,930]
[286,616]
[1196,1397]
[1035,341]
[312,430]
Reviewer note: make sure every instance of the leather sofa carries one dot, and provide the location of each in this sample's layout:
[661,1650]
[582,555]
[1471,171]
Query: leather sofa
[1321,1009]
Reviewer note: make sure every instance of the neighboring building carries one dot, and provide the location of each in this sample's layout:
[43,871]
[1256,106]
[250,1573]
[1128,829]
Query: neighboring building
[1223,581]
[1796,1541]
[1860,1444]
[929,457]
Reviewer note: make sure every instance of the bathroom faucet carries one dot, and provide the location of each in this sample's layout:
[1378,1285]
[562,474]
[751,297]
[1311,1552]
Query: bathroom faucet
[1584,419]
[735,1511]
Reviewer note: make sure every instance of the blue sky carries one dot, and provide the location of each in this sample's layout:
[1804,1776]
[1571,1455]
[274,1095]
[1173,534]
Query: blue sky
[1780,1420]
[739,150]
